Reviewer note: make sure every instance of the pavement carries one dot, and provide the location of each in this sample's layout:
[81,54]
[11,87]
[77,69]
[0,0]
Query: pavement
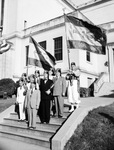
[89,103]
[9,144]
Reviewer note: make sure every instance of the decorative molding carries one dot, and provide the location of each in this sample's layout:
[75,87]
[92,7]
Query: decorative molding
[39,28]
[91,3]
[110,44]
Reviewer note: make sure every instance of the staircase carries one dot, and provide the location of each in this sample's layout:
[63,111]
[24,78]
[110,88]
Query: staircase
[107,90]
[12,128]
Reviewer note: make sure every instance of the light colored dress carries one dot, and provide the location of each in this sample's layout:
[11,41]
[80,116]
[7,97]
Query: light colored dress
[21,99]
[73,94]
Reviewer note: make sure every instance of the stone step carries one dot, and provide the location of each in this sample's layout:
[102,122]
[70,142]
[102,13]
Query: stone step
[50,126]
[18,145]
[53,120]
[65,115]
[21,129]
[14,129]
[41,141]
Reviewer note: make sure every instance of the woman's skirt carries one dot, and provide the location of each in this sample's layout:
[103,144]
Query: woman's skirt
[73,95]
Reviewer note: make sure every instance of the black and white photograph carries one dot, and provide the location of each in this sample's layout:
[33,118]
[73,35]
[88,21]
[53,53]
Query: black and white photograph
[56,74]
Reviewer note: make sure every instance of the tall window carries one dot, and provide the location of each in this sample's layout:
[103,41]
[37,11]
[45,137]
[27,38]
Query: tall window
[43,44]
[88,56]
[58,48]
[27,52]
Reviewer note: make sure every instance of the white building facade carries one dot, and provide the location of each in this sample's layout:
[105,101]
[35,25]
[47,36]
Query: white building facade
[45,22]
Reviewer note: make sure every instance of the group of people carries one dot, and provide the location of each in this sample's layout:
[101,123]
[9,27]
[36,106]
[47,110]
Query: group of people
[37,96]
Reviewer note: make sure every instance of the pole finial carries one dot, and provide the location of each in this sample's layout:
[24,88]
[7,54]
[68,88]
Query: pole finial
[64,10]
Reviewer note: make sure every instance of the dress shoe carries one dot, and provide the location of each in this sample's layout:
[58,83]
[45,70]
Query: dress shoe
[60,116]
[55,115]
[72,109]
[77,106]
[33,128]
[29,127]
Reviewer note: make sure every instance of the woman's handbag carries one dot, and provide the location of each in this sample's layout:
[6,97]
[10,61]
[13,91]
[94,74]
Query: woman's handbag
[16,107]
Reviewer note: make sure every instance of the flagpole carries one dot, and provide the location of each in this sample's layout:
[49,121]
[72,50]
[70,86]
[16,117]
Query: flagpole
[28,53]
[108,62]
[68,51]
[27,63]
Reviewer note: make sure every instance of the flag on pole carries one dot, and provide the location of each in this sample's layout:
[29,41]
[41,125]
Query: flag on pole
[4,46]
[39,57]
[84,35]
[33,58]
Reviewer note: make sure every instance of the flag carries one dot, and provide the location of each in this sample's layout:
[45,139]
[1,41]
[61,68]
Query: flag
[4,46]
[84,35]
[39,57]
[33,58]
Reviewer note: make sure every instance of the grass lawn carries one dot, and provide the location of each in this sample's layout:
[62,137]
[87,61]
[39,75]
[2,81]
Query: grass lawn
[96,132]
[5,103]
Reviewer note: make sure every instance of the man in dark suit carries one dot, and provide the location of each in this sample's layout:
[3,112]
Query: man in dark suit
[59,92]
[46,97]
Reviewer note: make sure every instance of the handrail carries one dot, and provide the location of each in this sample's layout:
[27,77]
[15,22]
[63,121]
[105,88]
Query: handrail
[99,82]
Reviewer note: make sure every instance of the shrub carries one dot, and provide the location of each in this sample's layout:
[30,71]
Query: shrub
[7,85]
[96,132]
[85,92]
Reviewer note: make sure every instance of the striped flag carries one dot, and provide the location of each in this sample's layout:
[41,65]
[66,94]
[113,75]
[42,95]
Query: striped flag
[84,35]
[39,57]
[5,46]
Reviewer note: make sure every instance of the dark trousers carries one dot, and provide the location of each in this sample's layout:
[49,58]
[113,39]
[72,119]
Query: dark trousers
[44,111]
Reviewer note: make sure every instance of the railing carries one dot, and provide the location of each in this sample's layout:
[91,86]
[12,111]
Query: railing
[99,82]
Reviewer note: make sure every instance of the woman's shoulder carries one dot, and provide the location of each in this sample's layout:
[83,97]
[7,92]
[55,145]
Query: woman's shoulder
[77,72]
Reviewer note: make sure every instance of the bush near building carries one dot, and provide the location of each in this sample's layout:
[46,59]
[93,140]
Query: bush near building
[7,86]
[85,92]
[96,132]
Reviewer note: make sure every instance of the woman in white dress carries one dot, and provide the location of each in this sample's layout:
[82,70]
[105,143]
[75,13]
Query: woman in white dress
[21,99]
[73,86]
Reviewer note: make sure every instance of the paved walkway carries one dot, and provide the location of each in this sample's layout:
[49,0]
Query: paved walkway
[89,103]
[8,144]
[94,101]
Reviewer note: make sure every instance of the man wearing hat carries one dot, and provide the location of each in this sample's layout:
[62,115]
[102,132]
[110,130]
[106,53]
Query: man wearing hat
[59,92]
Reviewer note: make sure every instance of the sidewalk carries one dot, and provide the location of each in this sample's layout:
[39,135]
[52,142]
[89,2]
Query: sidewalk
[65,131]
[94,101]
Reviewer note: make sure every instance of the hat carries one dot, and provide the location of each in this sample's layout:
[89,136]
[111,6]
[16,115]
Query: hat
[58,70]
[73,63]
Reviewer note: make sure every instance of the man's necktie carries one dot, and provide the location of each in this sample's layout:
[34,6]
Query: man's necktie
[31,91]
[45,81]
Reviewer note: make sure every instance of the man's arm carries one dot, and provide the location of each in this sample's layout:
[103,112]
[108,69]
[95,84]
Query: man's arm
[64,86]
